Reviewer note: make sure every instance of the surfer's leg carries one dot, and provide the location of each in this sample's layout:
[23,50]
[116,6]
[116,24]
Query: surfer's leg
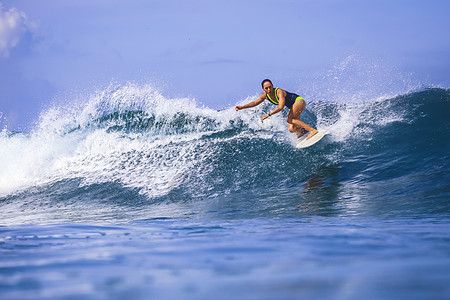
[294,128]
[294,118]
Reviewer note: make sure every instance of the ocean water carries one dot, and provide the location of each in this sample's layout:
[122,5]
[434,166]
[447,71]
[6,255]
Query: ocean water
[129,195]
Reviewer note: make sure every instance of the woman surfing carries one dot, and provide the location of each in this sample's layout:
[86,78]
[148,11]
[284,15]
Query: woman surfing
[282,98]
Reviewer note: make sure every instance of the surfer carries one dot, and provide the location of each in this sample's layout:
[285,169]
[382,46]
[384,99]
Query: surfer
[282,98]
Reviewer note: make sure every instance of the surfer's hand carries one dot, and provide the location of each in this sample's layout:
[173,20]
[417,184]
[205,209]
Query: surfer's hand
[264,117]
[237,108]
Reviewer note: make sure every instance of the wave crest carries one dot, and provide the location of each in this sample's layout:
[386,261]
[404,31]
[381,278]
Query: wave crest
[136,138]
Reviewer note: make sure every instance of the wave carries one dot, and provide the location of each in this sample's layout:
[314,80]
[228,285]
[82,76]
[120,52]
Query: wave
[132,146]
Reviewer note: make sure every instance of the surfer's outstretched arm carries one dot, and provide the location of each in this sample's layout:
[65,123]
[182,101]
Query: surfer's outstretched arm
[253,103]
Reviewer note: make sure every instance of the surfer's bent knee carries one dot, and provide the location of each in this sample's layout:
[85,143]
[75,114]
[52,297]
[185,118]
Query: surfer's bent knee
[291,116]
[289,119]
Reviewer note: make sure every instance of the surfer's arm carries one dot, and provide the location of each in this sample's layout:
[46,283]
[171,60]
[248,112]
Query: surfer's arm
[281,102]
[253,103]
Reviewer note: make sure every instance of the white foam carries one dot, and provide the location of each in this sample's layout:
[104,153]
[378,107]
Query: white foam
[29,160]
[70,142]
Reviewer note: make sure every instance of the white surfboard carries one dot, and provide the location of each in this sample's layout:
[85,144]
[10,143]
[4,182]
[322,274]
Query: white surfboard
[302,142]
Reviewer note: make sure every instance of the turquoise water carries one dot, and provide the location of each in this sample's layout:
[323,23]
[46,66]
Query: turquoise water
[131,195]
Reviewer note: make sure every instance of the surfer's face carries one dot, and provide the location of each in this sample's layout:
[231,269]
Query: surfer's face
[268,87]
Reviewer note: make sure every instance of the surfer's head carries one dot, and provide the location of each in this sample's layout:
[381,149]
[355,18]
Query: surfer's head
[267,85]
[264,81]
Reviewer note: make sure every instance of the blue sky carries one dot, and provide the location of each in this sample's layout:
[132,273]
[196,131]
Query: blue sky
[214,51]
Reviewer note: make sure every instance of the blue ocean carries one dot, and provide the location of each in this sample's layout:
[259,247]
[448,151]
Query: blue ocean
[128,194]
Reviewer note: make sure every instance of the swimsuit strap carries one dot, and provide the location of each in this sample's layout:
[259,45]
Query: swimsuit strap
[276,101]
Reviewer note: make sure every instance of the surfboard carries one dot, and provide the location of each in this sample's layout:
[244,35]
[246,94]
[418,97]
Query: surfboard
[302,142]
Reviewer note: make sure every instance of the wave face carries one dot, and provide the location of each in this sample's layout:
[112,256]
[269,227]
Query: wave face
[127,153]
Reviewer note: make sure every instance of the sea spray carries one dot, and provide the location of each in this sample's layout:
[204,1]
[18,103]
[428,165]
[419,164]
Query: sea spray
[138,144]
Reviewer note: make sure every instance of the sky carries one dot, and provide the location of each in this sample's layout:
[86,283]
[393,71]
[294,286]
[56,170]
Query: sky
[214,51]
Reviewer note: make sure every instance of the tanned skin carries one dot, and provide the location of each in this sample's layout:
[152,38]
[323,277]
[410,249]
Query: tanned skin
[293,118]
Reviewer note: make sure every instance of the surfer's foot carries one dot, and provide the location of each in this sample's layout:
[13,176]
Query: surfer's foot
[312,133]
[301,133]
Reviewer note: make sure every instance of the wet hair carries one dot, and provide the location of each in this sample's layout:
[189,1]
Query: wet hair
[265,80]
